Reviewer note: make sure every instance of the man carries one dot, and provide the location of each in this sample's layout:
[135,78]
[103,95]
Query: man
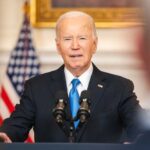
[113,104]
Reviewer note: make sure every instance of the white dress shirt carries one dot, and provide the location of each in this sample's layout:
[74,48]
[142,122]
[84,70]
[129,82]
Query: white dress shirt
[84,79]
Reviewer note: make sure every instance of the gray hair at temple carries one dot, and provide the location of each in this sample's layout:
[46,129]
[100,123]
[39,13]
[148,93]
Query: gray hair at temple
[72,14]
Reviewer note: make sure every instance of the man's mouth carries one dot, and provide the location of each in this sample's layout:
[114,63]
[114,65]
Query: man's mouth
[75,56]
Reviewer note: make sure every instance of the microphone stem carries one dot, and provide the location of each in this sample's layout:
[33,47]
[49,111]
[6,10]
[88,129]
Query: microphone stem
[71,134]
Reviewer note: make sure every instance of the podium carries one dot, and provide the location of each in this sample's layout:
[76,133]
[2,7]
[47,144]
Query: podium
[73,146]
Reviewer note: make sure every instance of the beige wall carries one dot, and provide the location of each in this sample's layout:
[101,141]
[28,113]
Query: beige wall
[116,50]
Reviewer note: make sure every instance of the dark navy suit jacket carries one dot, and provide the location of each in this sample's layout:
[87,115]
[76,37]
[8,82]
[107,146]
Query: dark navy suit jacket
[113,110]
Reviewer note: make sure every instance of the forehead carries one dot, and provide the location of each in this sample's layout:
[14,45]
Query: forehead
[75,23]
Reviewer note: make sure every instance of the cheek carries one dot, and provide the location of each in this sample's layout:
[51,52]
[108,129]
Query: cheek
[62,48]
[89,50]
[65,50]
[65,54]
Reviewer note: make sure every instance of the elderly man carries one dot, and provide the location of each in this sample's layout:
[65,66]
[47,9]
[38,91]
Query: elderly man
[113,109]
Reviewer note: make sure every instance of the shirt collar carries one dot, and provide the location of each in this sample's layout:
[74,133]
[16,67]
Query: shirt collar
[84,78]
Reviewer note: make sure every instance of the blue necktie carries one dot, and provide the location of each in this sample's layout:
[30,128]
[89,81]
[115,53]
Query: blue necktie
[74,100]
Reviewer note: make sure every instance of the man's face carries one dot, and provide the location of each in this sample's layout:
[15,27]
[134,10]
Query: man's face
[76,44]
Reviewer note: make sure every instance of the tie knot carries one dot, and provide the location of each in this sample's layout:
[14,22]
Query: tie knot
[75,82]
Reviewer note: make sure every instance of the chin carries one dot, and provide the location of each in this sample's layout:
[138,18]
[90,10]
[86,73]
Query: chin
[76,66]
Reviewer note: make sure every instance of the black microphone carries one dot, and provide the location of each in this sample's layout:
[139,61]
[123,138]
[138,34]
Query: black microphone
[59,110]
[84,110]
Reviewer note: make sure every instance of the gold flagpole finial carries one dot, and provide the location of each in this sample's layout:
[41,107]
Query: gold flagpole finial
[26,8]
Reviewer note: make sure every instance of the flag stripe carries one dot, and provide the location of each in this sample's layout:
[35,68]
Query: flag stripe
[11,91]
[1,119]
[7,100]
[29,139]
[5,113]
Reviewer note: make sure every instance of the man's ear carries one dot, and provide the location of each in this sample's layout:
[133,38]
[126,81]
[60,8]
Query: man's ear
[95,44]
[57,45]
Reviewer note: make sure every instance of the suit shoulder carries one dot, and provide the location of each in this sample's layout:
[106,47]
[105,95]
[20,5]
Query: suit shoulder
[116,78]
[110,77]
[43,77]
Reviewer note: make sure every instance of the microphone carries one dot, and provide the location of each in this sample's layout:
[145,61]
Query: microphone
[84,110]
[59,110]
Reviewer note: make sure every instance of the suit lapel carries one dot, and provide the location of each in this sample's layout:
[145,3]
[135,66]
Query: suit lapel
[96,89]
[59,84]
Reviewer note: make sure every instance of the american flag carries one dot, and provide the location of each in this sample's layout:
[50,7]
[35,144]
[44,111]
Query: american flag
[23,64]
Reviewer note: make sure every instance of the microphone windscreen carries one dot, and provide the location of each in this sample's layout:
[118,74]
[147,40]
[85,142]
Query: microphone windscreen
[61,95]
[85,95]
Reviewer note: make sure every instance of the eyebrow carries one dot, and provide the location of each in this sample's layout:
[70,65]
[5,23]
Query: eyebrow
[70,36]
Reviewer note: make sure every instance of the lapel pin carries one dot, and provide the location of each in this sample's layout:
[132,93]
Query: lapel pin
[100,85]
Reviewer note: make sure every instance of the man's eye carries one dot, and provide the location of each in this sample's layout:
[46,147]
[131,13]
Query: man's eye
[82,38]
[67,39]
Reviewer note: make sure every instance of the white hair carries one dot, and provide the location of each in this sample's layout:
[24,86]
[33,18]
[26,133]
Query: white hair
[72,14]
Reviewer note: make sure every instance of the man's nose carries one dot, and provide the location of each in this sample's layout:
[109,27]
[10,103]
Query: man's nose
[75,44]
